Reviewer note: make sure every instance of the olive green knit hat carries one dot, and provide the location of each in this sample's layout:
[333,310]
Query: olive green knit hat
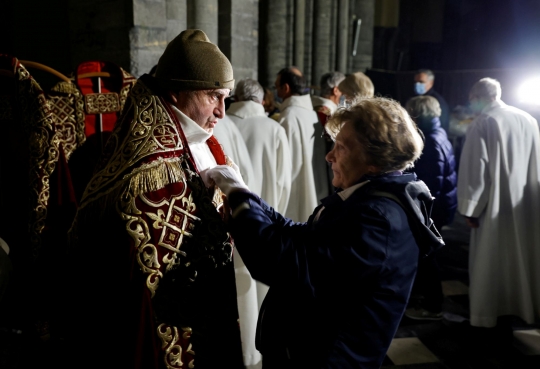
[192,62]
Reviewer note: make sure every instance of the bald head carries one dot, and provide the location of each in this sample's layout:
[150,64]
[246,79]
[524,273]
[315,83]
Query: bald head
[296,71]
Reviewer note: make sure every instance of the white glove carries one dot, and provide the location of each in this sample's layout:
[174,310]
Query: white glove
[225,177]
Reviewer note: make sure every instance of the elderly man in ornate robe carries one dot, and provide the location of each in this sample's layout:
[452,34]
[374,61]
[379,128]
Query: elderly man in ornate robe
[499,194]
[152,257]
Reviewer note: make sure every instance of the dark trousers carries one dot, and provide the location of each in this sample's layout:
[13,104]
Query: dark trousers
[427,287]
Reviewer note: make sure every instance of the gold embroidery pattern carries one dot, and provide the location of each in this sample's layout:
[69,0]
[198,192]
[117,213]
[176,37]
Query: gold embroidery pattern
[44,144]
[170,220]
[68,111]
[170,342]
[129,81]
[172,217]
[174,225]
[151,131]
[100,103]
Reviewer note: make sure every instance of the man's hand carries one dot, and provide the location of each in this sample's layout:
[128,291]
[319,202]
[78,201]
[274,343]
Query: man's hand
[472,222]
[225,177]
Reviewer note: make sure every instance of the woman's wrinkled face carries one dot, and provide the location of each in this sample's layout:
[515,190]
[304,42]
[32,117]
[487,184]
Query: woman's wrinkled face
[347,158]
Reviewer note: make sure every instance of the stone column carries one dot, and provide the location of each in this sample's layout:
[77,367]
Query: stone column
[239,34]
[364,10]
[148,37]
[343,48]
[322,39]
[274,49]
[203,15]
[176,11]
[299,33]
[308,41]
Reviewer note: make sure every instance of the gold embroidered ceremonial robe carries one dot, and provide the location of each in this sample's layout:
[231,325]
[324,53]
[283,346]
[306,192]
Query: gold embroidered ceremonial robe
[151,253]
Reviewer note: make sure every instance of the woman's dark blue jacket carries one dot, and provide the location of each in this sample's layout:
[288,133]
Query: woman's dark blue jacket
[338,285]
[437,168]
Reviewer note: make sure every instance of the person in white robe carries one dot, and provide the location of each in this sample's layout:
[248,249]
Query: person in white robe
[266,143]
[235,148]
[304,134]
[268,148]
[247,290]
[499,194]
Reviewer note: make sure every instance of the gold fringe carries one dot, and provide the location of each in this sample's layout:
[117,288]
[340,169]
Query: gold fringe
[146,178]
[65,87]
[155,175]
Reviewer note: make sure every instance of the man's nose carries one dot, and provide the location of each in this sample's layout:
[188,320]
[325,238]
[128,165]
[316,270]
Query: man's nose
[219,111]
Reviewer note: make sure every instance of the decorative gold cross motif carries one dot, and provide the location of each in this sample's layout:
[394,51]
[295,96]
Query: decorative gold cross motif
[177,223]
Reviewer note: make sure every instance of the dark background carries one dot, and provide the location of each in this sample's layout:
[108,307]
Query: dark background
[461,41]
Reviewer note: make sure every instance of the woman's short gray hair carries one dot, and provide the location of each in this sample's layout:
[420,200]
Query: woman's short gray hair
[357,86]
[249,90]
[488,88]
[385,131]
[423,106]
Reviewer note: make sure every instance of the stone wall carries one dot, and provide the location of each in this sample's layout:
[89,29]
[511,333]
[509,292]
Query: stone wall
[364,10]
[101,30]
[260,37]
[239,36]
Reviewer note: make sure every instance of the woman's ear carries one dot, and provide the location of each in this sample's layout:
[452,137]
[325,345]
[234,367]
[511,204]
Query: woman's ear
[373,170]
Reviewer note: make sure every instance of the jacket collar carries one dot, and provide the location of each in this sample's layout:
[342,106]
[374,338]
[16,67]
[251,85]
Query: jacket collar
[193,132]
[428,125]
[322,101]
[345,194]
[341,195]
[302,101]
[246,109]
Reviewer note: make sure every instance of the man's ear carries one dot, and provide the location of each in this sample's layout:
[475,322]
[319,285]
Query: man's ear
[172,97]
[336,91]
[286,89]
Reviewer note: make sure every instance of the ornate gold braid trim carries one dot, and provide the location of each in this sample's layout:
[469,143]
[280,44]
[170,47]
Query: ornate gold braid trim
[129,81]
[68,111]
[148,177]
[43,146]
[170,342]
[151,130]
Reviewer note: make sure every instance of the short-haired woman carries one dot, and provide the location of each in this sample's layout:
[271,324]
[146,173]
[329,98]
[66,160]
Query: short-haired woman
[340,282]
[356,86]
[437,168]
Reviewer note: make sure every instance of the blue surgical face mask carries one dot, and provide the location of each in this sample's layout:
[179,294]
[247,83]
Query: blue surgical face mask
[476,106]
[343,103]
[420,88]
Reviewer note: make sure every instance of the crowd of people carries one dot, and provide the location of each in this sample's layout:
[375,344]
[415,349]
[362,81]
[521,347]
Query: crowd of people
[229,224]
